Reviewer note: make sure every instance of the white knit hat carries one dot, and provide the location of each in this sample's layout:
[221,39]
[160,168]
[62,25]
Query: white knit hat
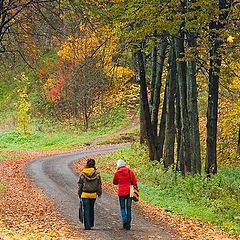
[121,163]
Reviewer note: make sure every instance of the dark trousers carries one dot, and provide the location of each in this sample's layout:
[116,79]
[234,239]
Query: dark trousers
[126,210]
[88,208]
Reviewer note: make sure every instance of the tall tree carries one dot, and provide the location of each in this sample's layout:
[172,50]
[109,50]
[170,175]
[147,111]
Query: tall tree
[238,145]
[216,44]
[145,104]
[192,101]
[170,116]
[162,127]
[156,87]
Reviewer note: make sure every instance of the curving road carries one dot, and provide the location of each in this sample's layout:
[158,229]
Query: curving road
[54,175]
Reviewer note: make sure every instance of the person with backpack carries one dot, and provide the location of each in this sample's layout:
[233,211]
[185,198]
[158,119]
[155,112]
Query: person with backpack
[89,187]
[124,177]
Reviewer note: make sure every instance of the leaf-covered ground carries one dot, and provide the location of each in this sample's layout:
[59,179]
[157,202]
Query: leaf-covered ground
[27,213]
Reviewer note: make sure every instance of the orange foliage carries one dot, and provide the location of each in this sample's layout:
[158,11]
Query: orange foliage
[56,90]
[42,73]
[54,84]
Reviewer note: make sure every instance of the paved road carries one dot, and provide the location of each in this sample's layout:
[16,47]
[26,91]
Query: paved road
[54,175]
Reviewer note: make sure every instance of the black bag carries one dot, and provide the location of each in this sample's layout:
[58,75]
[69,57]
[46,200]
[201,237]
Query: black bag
[80,215]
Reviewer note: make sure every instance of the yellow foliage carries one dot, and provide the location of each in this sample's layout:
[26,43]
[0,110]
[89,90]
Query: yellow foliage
[120,75]
[230,39]
[229,123]
[127,95]
[75,49]
[23,107]
[102,44]
[23,117]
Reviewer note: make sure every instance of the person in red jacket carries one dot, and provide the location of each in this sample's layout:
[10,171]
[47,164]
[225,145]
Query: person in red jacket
[124,177]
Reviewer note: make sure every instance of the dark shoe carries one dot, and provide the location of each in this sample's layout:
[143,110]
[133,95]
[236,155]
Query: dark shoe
[125,225]
[128,227]
[88,228]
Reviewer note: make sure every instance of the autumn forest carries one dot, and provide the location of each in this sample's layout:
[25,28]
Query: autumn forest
[162,76]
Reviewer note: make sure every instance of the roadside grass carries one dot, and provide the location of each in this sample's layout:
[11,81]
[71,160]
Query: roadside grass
[63,138]
[42,141]
[124,136]
[215,201]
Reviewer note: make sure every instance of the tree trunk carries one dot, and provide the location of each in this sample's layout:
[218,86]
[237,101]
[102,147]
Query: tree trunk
[170,116]
[214,72]
[180,162]
[212,110]
[158,84]
[195,150]
[182,87]
[145,104]
[161,138]
[142,124]
[153,75]
[238,147]
[85,114]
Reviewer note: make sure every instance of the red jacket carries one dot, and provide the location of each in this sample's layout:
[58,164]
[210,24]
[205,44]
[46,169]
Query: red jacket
[122,179]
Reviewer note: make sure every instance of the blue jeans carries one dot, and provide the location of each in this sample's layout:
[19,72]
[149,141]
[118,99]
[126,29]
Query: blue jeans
[126,210]
[88,208]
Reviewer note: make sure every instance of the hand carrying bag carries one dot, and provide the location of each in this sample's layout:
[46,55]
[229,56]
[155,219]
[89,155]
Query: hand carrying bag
[134,193]
[81,212]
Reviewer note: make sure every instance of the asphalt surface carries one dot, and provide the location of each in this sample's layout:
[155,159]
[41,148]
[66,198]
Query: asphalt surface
[55,176]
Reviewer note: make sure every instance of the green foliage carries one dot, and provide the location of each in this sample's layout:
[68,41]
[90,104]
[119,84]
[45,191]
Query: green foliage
[123,136]
[63,137]
[23,116]
[214,200]
[115,118]
[38,140]
[8,97]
